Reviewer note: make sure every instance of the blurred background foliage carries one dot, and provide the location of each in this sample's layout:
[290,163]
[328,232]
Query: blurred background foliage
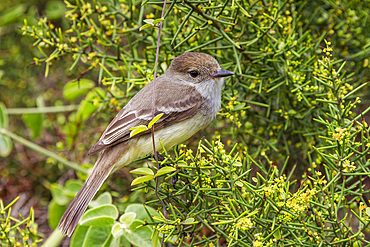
[79,62]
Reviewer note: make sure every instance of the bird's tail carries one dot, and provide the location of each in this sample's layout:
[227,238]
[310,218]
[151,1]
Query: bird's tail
[72,215]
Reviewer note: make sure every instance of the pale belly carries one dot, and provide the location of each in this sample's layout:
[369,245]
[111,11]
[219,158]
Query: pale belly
[168,137]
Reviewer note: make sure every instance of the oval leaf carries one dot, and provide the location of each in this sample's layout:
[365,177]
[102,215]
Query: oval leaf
[140,180]
[139,236]
[145,26]
[100,216]
[277,234]
[74,89]
[55,212]
[240,184]
[189,221]
[137,129]
[157,21]
[72,187]
[86,106]
[5,146]
[143,171]
[85,109]
[142,212]
[127,218]
[58,195]
[148,21]
[88,236]
[103,199]
[368,211]
[165,170]
[117,230]
[155,120]
[238,164]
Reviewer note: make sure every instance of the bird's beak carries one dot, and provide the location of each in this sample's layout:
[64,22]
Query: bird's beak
[222,73]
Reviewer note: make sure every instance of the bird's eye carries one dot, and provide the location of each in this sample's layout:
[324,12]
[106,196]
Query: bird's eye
[194,73]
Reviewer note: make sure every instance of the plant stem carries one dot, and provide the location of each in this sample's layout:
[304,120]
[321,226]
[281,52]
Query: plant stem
[42,150]
[37,110]
[153,112]
[54,239]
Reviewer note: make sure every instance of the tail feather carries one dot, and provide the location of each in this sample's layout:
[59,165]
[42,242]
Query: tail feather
[72,215]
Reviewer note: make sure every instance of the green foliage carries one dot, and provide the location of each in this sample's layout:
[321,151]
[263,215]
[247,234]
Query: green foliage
[292,108]
[99,227]
[217,193]
[15,232]
[272,51]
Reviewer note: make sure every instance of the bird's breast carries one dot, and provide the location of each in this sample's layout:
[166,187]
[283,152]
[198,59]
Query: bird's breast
[168,137]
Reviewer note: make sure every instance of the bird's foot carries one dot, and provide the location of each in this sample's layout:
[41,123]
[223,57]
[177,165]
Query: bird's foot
[174,178]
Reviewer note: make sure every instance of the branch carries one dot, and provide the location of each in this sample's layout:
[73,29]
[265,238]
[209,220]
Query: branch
[153,112]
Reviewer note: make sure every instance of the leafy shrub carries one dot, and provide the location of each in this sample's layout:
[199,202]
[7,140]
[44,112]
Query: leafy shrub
[15,232]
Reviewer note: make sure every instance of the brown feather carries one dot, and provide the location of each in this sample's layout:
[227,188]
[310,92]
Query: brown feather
[100,172]
[174,111]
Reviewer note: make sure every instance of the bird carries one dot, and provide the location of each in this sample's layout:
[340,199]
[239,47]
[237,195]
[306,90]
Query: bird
[188,95]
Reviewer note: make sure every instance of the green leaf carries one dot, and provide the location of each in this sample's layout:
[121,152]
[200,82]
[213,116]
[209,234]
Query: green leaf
[154,120]
[4,121]
[137,129]
[71,187]
[55,10]
[240,184]
[91,236]
[368,211]
[127,218]
[142,211]
[5,145]
[78,237]
[55,212]
[123,242]
[239,107]
[34,123]
[141,236]
[189,221]
[59,195]
[100,216]
[145,26]
[87,107]
[165,170]
[277,234]
[149,21]
[117,230]
[155,238]
[103,199]
[140,180]
[157,21]
[143,171]
[74,89]
[238,164]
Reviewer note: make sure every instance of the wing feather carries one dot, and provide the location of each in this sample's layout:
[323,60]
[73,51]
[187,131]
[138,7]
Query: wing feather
[174,111]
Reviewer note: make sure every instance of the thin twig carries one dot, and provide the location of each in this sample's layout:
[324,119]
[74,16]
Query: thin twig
[153,112]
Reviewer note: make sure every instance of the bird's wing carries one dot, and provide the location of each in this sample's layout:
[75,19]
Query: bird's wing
[174,110]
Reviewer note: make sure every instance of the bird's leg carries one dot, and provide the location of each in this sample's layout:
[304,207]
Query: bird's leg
[160,158]
[174,178]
